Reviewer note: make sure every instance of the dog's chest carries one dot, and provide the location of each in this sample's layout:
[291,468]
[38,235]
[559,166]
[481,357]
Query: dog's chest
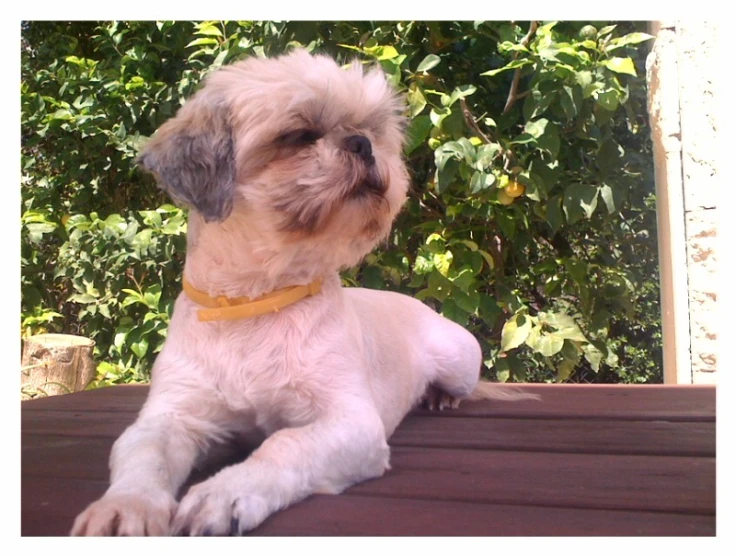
[272,374]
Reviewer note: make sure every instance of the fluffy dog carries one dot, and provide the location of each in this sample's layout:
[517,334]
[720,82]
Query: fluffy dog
[292,170]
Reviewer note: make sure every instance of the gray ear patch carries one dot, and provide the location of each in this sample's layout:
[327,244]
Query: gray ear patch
[195,164]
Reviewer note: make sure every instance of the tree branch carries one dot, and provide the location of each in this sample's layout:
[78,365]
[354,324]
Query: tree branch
[472,124]
[513,97]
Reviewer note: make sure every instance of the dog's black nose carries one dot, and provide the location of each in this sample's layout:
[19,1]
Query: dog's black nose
[361,146]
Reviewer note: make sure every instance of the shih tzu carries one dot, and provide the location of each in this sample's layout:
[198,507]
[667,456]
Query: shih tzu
[292,169]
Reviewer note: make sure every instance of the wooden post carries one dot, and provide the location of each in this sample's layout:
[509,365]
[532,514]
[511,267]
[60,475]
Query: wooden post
[56,364]
[664,115]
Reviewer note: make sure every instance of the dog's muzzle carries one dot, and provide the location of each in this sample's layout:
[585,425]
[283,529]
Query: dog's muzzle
[361,146]
[371,183]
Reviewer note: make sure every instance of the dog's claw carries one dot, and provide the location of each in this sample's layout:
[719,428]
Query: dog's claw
[436,399]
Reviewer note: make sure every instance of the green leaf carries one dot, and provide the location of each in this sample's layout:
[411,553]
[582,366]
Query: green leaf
[116,222]
[536,128]
[422,265]
[565,369]
[489,310]
[152,296]
[83,298]
[620,65]
[593,356]
[607,30]
[565,326]
[571,100]
[142,239]
[382,52]
[452,311]
[503,373]
[545,344]
[436,115]
[417,133]
[514,64]
[549,141]
[467,301]
[416,99]
[460,92]
[607,99]
[579,200]
[208,29]
[442,262]
[481,181]
[439,287]
[140,347]
[606,194]
[627,40]
[485,155]
[515,332]
[537,103]
[554,214]
[202,42]
[446,174]
[428,63]
[488,258]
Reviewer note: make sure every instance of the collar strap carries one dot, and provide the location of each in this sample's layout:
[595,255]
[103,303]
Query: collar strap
[231,308]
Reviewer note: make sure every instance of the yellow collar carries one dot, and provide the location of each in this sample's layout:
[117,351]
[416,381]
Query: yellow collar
[231,308]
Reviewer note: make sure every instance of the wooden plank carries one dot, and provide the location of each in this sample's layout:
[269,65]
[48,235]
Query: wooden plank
[65,457]
[350,516]
[650,483]
[76,423]
[559,435]
[427,429]
[86,458]
[124,397]
[561,401]
[596,401]
[635,459]
[49,506]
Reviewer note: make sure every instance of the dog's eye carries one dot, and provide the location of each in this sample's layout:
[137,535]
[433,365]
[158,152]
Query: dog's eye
[299,137]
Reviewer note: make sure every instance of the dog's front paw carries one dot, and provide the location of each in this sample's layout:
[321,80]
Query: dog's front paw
[437,399]
[126,515]
[215,508]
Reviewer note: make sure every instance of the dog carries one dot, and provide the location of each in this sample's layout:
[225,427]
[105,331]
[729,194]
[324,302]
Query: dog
[292,170]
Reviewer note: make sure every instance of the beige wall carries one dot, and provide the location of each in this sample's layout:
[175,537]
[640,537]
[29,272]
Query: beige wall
[680,71]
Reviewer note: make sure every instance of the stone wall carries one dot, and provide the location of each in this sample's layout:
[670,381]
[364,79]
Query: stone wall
[680,73]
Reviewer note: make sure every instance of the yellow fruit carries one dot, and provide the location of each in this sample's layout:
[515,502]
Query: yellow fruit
[504,198]
[514,189]
[64,219]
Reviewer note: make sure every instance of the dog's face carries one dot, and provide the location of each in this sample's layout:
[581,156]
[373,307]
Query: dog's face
[296,148]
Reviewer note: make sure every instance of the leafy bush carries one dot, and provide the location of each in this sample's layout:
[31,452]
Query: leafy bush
[531,219]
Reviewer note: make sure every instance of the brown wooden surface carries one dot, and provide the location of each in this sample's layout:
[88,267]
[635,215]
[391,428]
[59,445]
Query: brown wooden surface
[586,460]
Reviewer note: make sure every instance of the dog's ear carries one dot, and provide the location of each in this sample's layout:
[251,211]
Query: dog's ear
[192,158]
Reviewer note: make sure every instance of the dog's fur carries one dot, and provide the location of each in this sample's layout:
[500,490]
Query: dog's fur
[292,170]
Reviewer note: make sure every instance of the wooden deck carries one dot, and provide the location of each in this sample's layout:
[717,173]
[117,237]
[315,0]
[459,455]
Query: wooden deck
[586,460]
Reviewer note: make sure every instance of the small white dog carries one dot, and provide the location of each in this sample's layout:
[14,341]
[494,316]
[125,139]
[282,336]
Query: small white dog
[292,169]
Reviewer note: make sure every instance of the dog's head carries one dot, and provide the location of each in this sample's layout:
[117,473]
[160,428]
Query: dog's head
[296,146]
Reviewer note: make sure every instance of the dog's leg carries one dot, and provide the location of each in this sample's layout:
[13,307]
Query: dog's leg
[148,463]
[456,362]
[326,456]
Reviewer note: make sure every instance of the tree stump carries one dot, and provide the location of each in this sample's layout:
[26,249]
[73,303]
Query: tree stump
[55,364]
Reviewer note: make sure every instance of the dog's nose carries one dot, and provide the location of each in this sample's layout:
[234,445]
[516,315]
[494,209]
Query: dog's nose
[361,146]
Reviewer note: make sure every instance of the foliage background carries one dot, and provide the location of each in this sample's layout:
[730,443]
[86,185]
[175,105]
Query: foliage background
[558,283]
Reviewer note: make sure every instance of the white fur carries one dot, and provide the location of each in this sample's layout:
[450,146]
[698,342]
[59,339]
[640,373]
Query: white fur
[326,381]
